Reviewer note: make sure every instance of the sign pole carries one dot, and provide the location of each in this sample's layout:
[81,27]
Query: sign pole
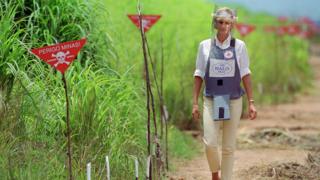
[69,153]
[60,57]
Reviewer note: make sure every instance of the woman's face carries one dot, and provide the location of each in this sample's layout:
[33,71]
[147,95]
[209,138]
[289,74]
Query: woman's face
[223,26]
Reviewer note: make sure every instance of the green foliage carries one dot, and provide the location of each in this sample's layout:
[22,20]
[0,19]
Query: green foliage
[187,147]
[107,115]
[279,64]
[10,50]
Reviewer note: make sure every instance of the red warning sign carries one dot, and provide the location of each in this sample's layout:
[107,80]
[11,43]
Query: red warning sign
[282,30]
[147,20]
[60,56]
[245,29]
[293,29]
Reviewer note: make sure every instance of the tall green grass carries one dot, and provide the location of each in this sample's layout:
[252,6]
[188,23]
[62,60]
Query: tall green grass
[183,25]
[279,63]
[107,115]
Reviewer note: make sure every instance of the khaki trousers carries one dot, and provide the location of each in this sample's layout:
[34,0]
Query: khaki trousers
[211,137]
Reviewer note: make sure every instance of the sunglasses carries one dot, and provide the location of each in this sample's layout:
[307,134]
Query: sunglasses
[224,22]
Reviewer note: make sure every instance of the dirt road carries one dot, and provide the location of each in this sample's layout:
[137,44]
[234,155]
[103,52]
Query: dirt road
[282,134]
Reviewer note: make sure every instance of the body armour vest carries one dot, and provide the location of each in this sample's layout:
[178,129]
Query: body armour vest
[222,75]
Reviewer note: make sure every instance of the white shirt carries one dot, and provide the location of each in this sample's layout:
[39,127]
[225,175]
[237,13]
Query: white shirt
[203,54]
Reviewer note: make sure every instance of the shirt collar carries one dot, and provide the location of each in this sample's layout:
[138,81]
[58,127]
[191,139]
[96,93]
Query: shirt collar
[225,44]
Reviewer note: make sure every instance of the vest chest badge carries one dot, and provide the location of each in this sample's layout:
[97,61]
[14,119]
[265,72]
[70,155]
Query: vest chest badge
[221,68]
[228,54]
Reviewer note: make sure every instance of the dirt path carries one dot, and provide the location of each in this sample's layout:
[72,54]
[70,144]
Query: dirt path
[301,118]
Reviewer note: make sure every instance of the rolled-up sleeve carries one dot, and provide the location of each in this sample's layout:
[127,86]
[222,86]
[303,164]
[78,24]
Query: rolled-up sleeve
[244,61]
[200,63]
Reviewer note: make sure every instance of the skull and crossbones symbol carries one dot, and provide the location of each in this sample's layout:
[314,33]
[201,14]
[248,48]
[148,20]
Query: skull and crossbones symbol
[145,23]
[60,57]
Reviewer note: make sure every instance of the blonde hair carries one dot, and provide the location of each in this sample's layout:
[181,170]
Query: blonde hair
[224,13]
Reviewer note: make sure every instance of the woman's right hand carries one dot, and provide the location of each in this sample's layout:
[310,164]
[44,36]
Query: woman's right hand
[195,112]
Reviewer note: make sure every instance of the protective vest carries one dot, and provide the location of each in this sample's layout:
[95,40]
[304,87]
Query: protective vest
[222,75]
[222,79]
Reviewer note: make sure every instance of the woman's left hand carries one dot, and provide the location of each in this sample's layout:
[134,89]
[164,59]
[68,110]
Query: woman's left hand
[252,111]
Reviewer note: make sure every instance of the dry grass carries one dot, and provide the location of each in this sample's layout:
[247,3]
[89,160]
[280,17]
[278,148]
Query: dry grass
[290,170]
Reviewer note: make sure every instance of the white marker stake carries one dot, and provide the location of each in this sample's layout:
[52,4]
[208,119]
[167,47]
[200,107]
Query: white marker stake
[107,168]
[137,168]
[148,167]
[166,113]
[89,171]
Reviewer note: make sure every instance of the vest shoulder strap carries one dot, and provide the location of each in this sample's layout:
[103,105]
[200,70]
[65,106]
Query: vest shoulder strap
[233,42]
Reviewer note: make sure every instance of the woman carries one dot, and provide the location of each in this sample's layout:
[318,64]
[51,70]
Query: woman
[222,62]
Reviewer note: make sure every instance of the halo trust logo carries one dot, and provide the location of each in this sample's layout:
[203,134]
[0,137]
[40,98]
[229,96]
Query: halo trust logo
[222,68]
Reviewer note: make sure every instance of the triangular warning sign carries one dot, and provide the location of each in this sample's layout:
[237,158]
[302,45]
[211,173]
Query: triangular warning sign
[60,56]
[293,29]
[245,29]
[282,30]
[147,20]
